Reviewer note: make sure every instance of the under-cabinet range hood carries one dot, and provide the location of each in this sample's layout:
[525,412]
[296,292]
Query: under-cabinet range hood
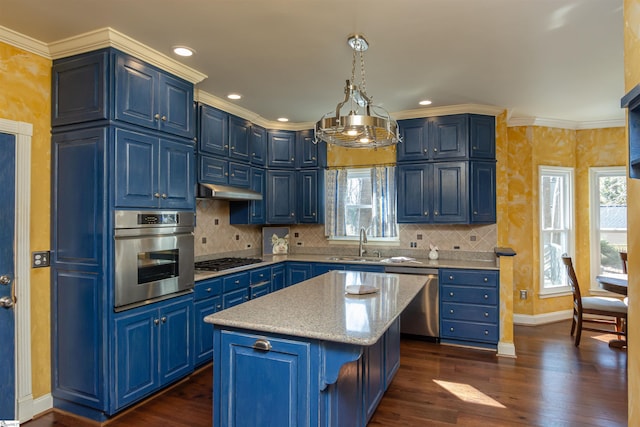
[226,192]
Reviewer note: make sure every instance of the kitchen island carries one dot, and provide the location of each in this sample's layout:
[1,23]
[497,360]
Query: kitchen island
[310,354]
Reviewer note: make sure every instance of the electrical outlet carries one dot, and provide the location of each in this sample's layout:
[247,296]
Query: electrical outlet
[40,259]
[216,221]
[472,238]
[204,240]
[524,294]
[299,243]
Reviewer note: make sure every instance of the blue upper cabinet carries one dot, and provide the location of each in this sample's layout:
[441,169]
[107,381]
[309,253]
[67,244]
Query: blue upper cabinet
[281,197]
[455,137]
[152,172]
[281,149]
[213,136]
[144,95]
[310,196]
[239,137]
[258,145]
[148,97]
[254,211]
[415,193]
[483,192]
[307,151]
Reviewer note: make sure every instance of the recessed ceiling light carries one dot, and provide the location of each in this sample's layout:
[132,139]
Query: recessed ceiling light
[425,102]
[234,96]
[283,119]
[183,51]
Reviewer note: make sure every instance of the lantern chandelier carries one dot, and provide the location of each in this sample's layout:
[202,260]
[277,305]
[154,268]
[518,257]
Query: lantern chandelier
[365,125]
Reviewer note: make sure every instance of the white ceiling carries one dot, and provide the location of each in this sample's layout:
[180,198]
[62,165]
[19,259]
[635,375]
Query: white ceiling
[546,59]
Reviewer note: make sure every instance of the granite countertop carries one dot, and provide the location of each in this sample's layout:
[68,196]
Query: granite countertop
[419,262]
[319,308]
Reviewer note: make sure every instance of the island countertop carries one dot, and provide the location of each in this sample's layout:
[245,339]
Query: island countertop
[320,308]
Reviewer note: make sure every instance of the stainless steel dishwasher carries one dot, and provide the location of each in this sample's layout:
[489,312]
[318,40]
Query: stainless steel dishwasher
[421,317]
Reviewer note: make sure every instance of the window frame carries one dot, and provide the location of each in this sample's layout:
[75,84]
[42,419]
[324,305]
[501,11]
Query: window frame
[569,174]
[594,219]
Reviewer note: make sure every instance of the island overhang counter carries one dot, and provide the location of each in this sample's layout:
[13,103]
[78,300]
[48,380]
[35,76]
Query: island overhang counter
[311,354]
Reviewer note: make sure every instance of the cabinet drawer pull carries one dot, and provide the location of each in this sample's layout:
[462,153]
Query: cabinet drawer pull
[425,150]
[262,345]
[475,212]
[208,289]
[292,159]
[486,332]
[156,321]
[219,306]
[156,116]
[164,195]
[246,297]
[233,148]
[486,279]
[451,277]
[313,157]
[164,319]
[450,329]
[237,281]
[450,294]
[226,145]
[164,118]
[486,296]
[451,311]
[435,150]
[486,314]
[156,195]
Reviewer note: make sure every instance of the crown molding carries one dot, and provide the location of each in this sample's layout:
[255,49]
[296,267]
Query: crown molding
[488,110]
[564,124]
[108,37]
[231,108]
[23,42]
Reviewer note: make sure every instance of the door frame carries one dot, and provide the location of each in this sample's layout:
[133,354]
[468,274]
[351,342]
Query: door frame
[22,274]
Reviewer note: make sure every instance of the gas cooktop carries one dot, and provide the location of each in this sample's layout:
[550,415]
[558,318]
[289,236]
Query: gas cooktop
[220,264]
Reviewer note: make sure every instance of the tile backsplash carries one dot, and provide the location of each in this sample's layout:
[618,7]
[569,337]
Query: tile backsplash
[245,240]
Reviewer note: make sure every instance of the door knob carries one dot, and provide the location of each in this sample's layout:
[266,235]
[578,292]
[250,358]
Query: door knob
[6,302]
[5,280]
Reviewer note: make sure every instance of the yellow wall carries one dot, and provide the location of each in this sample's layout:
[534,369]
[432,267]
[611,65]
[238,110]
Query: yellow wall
[632,78]
[25,82]
[340,156]
[528,148]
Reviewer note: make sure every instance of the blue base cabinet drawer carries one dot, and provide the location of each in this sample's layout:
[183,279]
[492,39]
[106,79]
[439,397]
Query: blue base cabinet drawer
[470,307]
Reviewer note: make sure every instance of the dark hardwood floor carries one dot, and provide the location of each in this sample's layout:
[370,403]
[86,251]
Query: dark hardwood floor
[550,383]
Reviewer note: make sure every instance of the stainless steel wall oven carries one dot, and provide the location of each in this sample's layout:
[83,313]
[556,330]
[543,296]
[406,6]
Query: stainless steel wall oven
[153,256]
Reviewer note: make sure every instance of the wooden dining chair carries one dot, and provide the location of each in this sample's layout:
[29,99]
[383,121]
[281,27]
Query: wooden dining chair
[623,258]
[600,306]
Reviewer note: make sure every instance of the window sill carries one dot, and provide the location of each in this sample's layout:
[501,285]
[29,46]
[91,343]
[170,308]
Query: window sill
[371,241]
[555,292]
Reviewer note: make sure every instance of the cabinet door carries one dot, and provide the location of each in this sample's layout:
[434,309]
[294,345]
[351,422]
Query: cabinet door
[374,377]
[239,175]
[449,136]
[203,341]
[308,196]
[298,272]
[259,386]
[175,106]
[277,277]
[136,170]
[281,197]
[415,142]
[482,136]
[281,149]
[234,298]
[307,151]
[319,268]
[176,340]
[136,91]
[257,208]
[258,145]
[483,192]
[136,355]
[214,131]
[392,351]
[450,203]
[239,136]
[177,175]
[414,193]
[213,170]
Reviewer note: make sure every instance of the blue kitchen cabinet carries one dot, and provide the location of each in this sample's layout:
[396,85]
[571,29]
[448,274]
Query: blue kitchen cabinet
[239,139]
[253,211]
[318,268]
[433,193]
[153,347]
[392,351]
[298,272]
[310,196]
[281,149]
[213,131]
[216,170]
[307,151]
[235,288]
[153,172]
[281,197]
[258,145]
[364,267]
[259,282]
[453,137]
[483,192]
[143,95]
[278,277]
[469,307]
[207,300]
[148,97]
[374,374]
[273,370]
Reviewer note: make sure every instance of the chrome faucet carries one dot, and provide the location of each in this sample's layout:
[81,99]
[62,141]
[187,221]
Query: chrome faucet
[363,239]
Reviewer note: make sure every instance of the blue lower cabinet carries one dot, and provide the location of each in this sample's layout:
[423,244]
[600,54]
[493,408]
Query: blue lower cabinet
[208,300]
[278,277]
[392,351]
[264,381]
[469,307]
[233,298]
[259,290]
[374,381]
[362,267]
[319,268]
[298,272]
[153,347]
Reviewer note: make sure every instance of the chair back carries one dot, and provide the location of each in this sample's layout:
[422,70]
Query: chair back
[573,282]
[623,258]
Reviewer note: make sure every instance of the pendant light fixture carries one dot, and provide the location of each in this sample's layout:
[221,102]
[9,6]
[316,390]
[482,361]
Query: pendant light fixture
[365,125]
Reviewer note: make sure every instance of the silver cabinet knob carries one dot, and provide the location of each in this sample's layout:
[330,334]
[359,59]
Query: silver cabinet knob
[450,329]
[164,118]
[156,116]
[5,280]
[156,321]
[486,314]
[208,289]
[156,195]
[6,302]
[163,319]
[164,195]
[435,150]
[450,294]
[486,279]
[486,296]
[486,332]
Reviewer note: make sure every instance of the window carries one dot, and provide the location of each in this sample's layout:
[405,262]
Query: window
[361,198]
[556,226]
[608,201]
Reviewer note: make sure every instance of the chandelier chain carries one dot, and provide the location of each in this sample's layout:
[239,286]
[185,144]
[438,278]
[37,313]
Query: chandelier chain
[363,83]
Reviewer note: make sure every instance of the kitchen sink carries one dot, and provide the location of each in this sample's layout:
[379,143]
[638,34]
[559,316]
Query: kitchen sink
[348,258]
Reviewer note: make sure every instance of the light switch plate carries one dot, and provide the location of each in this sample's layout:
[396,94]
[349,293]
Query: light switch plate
[40,259]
